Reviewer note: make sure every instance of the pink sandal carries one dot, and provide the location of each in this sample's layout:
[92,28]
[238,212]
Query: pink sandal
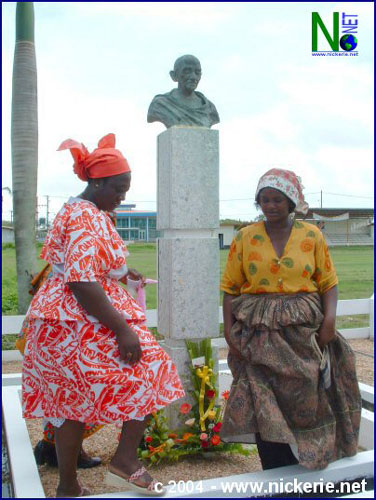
[155,488]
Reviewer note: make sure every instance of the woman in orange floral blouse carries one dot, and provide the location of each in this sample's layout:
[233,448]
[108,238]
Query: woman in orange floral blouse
[295,391]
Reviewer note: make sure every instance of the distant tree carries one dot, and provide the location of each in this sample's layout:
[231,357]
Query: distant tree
[260,217]
[24,136]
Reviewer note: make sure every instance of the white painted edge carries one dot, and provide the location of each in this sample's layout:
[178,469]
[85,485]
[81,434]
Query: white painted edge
[346,469]
[367,430]
[367,392]
[27,483]
[9,379]
[366,494]
[372,317]
[355,333]
[11,324]
[353,306]
[13,355]
[24,471]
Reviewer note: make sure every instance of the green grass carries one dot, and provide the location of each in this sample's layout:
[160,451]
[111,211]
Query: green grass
[354,267]
[9,281]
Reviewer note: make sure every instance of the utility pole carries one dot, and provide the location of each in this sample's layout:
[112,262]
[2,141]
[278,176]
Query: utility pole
[320,199]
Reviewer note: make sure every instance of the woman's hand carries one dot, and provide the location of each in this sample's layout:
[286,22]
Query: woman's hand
[129,345]
[235,352]
[327,330]
[94,300]
[326,333]
[228,321]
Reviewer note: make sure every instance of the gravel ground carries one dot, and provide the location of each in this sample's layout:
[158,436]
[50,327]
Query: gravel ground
[103,443]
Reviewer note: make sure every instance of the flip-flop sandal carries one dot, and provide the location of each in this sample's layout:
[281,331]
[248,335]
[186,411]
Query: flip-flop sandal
[155,488]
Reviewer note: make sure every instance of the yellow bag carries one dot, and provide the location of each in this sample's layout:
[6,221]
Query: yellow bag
[36,283]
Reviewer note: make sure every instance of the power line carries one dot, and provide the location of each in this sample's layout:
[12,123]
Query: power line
[350,195]
[233,199]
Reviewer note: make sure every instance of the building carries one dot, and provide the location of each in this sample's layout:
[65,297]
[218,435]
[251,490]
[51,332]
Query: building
[7,234]
[136,225]
[141,225]
[343,226]
[226,234]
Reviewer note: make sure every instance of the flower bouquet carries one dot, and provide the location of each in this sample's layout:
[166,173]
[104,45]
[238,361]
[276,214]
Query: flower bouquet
[202,420]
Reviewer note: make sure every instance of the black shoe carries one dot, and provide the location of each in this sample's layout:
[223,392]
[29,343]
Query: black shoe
[88,463]
[45,452]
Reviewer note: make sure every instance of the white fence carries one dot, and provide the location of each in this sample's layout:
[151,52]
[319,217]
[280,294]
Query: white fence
[12,324]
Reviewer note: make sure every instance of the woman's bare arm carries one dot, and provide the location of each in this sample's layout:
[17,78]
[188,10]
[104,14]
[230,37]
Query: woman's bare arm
[327,330]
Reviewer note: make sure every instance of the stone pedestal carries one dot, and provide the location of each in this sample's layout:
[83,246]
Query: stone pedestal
[188,292]
[188,246]
[188,179]
[188,221]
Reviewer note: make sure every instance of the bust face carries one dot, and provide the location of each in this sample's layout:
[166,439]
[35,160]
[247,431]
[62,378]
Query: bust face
[188,75]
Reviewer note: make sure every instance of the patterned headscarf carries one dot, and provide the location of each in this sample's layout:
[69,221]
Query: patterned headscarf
[288,183]
[105,161]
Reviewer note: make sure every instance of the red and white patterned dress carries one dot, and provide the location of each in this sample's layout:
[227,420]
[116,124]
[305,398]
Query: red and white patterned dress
[72,368]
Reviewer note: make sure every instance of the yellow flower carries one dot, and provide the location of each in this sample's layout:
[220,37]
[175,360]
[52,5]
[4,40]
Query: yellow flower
[211,415]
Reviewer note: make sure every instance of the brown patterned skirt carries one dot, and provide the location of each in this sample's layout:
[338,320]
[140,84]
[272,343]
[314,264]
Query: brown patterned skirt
[277,388]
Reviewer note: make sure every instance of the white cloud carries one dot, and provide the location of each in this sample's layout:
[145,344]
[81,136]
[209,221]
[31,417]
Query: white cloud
[100,64]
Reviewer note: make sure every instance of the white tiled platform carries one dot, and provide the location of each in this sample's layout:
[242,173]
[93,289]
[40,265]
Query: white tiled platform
[27,484]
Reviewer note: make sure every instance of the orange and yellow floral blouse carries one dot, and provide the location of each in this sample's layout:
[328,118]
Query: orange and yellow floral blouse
[253,265]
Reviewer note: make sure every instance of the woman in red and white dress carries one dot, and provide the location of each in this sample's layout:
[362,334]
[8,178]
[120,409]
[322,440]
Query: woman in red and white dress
[89,357]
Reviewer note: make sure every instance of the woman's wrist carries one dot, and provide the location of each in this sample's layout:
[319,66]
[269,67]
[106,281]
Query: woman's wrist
[123,329]
[329,319]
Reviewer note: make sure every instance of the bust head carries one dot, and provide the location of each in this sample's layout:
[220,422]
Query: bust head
[182,105]
[187,72]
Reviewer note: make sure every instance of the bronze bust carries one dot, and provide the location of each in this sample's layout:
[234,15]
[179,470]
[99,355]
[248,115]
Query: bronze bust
[184,105]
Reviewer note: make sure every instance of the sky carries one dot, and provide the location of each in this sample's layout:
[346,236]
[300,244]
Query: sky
[100,64]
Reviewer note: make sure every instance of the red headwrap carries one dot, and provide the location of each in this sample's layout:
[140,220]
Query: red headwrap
[104,161]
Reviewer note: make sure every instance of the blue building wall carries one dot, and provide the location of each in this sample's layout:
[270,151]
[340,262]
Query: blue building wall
[133,225]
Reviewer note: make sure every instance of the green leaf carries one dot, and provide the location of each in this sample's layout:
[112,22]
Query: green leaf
[288,262]
[252,268]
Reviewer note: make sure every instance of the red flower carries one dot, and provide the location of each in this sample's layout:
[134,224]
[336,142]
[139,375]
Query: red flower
[226,394]
[173,435]
[217,427]
[205,444]
[185,408]
[149,439]
[210,394]
[216,440]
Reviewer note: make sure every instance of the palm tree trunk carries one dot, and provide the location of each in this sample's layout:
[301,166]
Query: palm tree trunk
[24,136]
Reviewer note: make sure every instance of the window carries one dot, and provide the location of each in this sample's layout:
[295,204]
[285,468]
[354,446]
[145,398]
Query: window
[122,222]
